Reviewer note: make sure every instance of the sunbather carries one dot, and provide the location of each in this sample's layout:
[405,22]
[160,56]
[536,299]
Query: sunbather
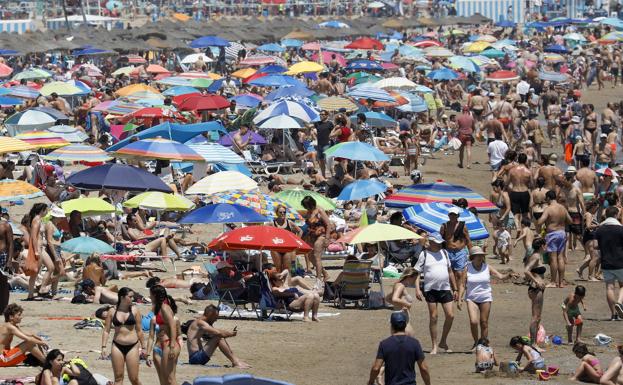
[297,295]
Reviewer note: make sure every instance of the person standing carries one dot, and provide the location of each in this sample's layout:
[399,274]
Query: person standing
[609,237]
[456,236]
[323,130]
[399,353]
[520,181]
[556,218]
[466,127]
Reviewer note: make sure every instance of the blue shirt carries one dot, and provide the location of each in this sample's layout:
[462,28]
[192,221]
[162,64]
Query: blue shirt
[400,353]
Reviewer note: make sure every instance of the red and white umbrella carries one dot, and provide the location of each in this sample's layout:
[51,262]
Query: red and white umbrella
[260,238]
[427,43]
[503,76]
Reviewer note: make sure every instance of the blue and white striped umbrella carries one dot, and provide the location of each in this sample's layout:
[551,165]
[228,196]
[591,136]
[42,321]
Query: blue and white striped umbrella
[430,217]
[276,81]
[215,153]
[360,189]
[333,24]
[180,90]
[553,76]
[416,103]
[368,92]
[364,64]
[291,108]
[24,92]
[292,43]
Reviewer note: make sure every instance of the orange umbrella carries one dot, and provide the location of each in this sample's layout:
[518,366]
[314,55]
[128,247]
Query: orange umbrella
[400,100]
[156,69]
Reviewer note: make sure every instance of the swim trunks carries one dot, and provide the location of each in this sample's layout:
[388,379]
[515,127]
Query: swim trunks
[200,357]
[458,259]
[556,241]
[520,202]
[11,357]
[575,226]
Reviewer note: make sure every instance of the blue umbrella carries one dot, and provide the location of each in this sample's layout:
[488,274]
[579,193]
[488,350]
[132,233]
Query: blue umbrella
[223,213]
[86,246]
[9,52]
[241,168]
[237,379]
[271,47]
[292,43]
[291,108]
[368,92]
[180,90]
[289,91]
[90,52]
[272,69]
[247,100]
[443,74]
[376,119]
[553,76]
[430,217]
[423,89]
[506,24]
[416,103]
[613,21]
[117,176]
[364,65]
[464,63]
[333,24]
[360,189]
[24,92]
[8,101]
[556,48]
[357,151]
[276,81]
[209,41]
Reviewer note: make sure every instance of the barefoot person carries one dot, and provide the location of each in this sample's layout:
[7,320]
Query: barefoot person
[456,236]
[13,356]
[401,299]
[520,181]
[589,369]
[168,349]
[199,350]
[534,272]
[318,233]
[296,294]
[555,217]
[609,237]
[614,374]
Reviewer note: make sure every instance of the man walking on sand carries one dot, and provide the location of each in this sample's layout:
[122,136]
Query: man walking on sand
[520,179]
[609,237]
[466,127]
[556,218]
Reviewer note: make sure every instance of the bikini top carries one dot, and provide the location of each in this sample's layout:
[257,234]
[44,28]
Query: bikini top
[130,321]
[159,319]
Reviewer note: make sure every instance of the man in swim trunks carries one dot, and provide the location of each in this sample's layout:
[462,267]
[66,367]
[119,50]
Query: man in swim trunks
[456,236]
[586,179]
[574,202]
[550,172]
[200,354]
[520,180]
[10,357]
[556,218]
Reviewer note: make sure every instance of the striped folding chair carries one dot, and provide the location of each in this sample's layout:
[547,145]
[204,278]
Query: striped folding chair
[355,283]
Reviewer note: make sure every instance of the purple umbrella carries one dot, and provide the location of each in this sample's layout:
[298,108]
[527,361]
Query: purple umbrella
[227,140]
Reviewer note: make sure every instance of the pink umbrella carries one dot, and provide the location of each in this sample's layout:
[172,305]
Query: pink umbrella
[328,56]
[103,106]
[5,70]
[389,66]
[313,46]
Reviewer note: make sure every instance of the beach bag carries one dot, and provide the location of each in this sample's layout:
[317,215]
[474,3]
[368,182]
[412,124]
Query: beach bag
[569,153]
[540,335]
[31,267]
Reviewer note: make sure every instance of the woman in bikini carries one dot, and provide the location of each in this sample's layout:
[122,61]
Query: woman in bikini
[538,200]
[168,350]
[590,125]
[53,237]
[535,273]
[591,254]
[502,200]
[400,298]
[127,342]
[36,241]
[283,261]
[412,150]
[318,233]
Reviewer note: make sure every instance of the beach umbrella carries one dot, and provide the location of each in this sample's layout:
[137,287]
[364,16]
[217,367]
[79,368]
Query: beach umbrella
[575,37]
[252,136]
[23,92]
[14,190]
[60,88]
[438,192]
[487,38]
[378,232]
[79,153]
[288,107]
[357,151]
[612,37]
[209,41]
[248,100]
[289,92]
[135,89]
[553,76]
[156,200]
[84,87]
[5,70]
[293,198]
[159,148]
[443,74]
[69,133]
[9,144]
[295,43]
[333,24]
[90,51]
[556,48]
[438,52]
[281,122]
[195,57]
[222,213]
[431,216]
[502,76]
[165,113]
[117,176]
[244,73]
[30,120]
[553,58]
[202,83]
[376,119]
[416,104]
[86,246]
[372,93]
[305,67]
[216,153]
[203,102]
[328,56]
[262,203]
[175,81]
[260,238]
[613,21]
[87,206]
[376,5]
[365,43]
[270,47]
[223,181]
[493,53]
[134,59]
[395,83]
[32,73]
[336,103]
[606,171]
[258,60]
[180,90]
[9,101]
[276,81]
[42,139]
[365,65]
[124,71]
[9,52]
[506,24]
[464,63]
[272,69]
[477,47]
[426,43]
[360,189]
[311,46]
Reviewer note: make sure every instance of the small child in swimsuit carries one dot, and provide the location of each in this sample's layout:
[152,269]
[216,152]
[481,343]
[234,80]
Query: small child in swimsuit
[502,239]
[589,369]
[571,313]
[525,349]
[485,357]
[526,236]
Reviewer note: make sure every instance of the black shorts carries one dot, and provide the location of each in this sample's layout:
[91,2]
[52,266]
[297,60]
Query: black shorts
[438,296]
[320,151]
[520,202]
[576,226]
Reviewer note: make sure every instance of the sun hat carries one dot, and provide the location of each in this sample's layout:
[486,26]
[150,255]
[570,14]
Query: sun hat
[575,119]
[435,237]
[571,170]
[553,158]
[474,251]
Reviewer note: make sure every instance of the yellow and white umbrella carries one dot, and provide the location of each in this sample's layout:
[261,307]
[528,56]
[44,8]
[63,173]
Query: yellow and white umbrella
[223,181]
[155,200]
[8,144]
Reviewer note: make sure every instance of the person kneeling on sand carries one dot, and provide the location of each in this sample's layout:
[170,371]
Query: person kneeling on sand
[10,357]
[200,351]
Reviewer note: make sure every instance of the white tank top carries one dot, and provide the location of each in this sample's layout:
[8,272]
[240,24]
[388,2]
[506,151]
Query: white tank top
[478,286]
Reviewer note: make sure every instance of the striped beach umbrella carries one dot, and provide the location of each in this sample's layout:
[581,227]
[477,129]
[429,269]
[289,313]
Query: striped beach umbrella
[23,92]
[33,73]
[336,103]
[13,190]
[503,76]
[78,153]
[156,200]
[258,60]
[438,192]
[369,92]
[42,139]
[291,108]
[431,216]
[216,153]
[261,203]
[8,144]
[159,148]
[69,133]
[220,182]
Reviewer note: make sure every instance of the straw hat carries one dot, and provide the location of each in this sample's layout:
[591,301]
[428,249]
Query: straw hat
[474,251]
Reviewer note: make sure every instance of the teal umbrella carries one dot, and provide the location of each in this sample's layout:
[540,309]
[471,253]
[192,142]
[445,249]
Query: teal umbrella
[493,53]
[86,246]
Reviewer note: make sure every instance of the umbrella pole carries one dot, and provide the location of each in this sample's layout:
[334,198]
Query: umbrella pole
[381,263]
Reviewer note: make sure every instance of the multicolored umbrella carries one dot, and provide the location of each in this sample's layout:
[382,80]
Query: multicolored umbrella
[23,92]
[159,148]
[42,139]
[32,73]
[260,238]
[135,88]
[223,213]
[69,133]
[8,144]
[5,70]
[216,153]
[14,190]
[262,203]
[79,153]
[438,192]
[87,206]
[378,232]
[431,216]
[294,197]
[60,88]
[223,181]
[357,151]
[156,200]
[252,136]
[258,60]
[372,93]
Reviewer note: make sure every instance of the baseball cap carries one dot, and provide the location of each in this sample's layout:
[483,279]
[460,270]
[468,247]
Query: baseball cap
[435,237]
[454,210]
[398,319]
[571,170]
[553,158]
[603,136]
[578,137]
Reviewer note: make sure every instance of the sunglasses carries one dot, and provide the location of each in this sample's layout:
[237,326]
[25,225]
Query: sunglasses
[281,212]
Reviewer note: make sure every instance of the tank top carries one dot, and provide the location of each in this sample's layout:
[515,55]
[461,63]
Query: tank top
[478,284]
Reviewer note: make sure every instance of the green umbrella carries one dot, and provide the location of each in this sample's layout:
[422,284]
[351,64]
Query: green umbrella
[32,73]
[201,82]
[60,88]
[295,196]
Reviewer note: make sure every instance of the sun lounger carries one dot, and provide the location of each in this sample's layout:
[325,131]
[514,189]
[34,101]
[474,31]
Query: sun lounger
[355,283]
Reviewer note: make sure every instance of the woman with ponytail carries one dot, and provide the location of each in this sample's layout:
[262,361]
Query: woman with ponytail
[164,326]
[36,254]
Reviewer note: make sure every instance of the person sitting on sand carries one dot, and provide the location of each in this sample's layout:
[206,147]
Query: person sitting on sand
[13,356]
[203,327]
[614,374]
[534,357]
[95,294]
[297,297]
[485,356]
[589,369]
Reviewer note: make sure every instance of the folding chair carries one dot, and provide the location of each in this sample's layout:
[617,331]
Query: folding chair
[355,283]
[269,304]
[229,295]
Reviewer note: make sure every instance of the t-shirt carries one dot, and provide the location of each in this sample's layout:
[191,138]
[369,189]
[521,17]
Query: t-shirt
[400,353]
[323,130]
[434,267]
[496,150]
[610,241]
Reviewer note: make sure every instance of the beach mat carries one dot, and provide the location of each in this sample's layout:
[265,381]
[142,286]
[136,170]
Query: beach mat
[253,315]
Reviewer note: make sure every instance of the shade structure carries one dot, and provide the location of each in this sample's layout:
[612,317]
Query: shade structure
[294,197]
[438,192]
[372,93]
[493,53]
[135,88]
[209,41]
[87,206]
[357,151]
[9,101]
[247,100]
[333,24]
[124,71]
[477,47]
[555,77]
[32,73]
[30,120]
[395,83]
[195,57]
[159,148]
[305,67]
[282,122]
[8,144]
[431,216]
[360,189]
[416,104]
[252,136]
[156,200]
[556,48]
[203,102]
[117,176]
[180,90]
[291,108]
[223,213]
[79,153]
[14,190]
[42,139]
[378,232]
[69,133]
[291,43]
[272,69]
[262,203]
[336,103]
[60,88]
[258,60]
[443,74]
[270,47]
[365,43]
[216,153]
[364,65]
[260,238]
[86,246]
[223,181]
[328,57]
[503,76]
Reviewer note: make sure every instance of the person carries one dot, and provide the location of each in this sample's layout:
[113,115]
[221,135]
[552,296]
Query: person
[502,201]
[439,287]
[318,232]
[485,356]
[6,262]
[52,369]
[496,151]
[532,354]
[574,201]
[400,298]
[614,374]
[456,236]
[526,237]
[296,294]
[535,272]
[502,239]
[520,181]
[31,344]
[609,237]
[36,241]
[589,369]
[571,313]
[478,292]
[399,353]
[53,238]
[323,131]
[466,127]
[203,327]
[555,217]
[127,342]
[239,140]
[283,261]
[168,349]
[591,254]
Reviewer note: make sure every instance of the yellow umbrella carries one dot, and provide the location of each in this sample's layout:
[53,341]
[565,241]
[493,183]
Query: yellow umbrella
[213,76]
[155,200]
[244,73]
[8,144]
[477,46]
[13,190]
[88,206]
[336,103]
[134,88]
[124,71]
[305,67]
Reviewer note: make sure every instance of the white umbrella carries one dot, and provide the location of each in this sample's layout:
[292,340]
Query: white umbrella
[194,57]
[280,122]
[395,82]
[223,181]
[376,4]
[215,153]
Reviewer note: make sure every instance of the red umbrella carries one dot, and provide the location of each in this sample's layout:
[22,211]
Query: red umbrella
[203,102]
[156,69]
[256,75]
[260,238]
[153,113]
[177,100]
[503,76]
[5,70]
[328,56]
[365,43]
[427,43]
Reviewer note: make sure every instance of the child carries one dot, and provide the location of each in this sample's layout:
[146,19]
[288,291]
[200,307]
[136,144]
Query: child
[526,236]
[534,357]
[589,369]
[502,239]
[485,357]
[571,312]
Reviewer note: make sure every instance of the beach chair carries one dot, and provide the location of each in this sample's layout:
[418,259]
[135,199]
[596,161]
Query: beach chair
[269,304]
[355,283]
[259,166]
[230,296]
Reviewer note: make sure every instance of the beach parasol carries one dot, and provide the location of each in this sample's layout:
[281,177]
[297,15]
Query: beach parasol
[476,47]
[260,238]
[29,120]
[553,76]
[357,151]
[416,103]
[209,41]
[159,148]
[328,57]
[311,46]
[9,101]
[270,47]
[371,93]
[305,67]
[14,190]
[195,57]
[503,76]
[378,232]
[87,206]
[493,53]
[222,182]
[276,80]
[258,60]
[438,52]
[135,88]
[216,153]
[365,43]
[86,246]
[438,192]
[291,108]
[280,122]
[124,71]
[364,65]
[60,88]
[156,200]
[376,119]
[79,153]
[180,90]
[23,92]
[395,83]
[244,73]
[42,139]
[464,63]
[360,189]
[223,213]
[336,103]
[117,176]
[291,92]
[262,203]
[203,103]
[252,137]
[32,73]
[292,43]
[431,216]
[293,197]
[336,24]
[69,133]
[8,144]
[442,74]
